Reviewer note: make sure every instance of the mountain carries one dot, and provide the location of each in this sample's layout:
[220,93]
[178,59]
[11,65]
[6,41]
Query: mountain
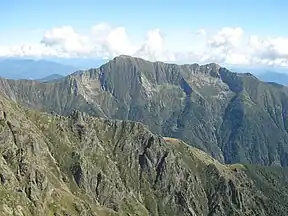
[276,77]
[257,70]
[32,69]
[232,116]
[268,74]
[84,63]
[50,78]
[81,165]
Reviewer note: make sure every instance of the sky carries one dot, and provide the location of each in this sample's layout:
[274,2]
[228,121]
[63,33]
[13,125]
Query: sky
[222,31]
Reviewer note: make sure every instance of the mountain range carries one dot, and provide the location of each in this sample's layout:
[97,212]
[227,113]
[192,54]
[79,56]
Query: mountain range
[49,69]
[267,74]
[281,78]
[233,116]
[134,137]
[32,69]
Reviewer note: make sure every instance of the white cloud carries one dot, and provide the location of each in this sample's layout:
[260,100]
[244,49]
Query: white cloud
[65,39]
[201,32]
[227,46]
[221,47]
[29,50]
[117,42]
[271,51]
[103,41]
[101,30]
[154,48]
[237,59]
[228,37]
[270,47]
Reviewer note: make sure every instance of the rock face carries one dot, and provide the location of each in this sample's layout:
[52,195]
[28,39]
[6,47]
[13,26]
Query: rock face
[81,165]
[234,117]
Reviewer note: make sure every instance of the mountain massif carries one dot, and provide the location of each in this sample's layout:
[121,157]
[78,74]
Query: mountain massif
[82,165]
[232,116]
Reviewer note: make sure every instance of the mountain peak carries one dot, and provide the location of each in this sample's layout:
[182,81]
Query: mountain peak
[124,57]
[127,58]
[211,65]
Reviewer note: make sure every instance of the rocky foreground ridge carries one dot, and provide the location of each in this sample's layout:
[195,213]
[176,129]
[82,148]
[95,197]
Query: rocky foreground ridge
[82,165]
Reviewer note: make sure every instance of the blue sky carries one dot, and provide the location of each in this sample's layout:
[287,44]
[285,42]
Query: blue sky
[265,16]
[25,22]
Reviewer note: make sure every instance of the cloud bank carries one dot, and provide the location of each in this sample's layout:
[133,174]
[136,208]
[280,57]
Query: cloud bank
[229,45]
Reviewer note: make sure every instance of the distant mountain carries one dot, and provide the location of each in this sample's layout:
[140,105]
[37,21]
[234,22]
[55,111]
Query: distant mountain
[32,69]
[259,70]
[50,78]
[83,63]
[271,76]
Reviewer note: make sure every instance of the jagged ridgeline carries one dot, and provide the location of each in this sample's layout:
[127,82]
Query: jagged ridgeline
[234,117]
[81,165]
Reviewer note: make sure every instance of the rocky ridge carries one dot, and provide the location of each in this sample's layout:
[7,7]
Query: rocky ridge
[81,165]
